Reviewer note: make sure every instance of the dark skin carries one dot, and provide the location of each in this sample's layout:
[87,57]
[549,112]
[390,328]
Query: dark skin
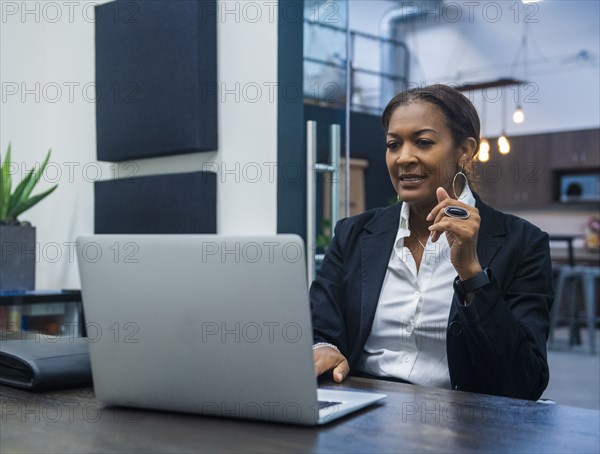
[422,158]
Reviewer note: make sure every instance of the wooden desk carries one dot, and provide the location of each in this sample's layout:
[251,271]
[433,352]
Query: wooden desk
[412,418]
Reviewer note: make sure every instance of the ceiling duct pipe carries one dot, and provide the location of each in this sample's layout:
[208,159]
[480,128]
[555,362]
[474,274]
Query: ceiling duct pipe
[422,11]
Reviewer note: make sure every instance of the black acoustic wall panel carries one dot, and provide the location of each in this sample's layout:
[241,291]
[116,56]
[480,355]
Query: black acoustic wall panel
[173,203]
[291,148]
[156,78]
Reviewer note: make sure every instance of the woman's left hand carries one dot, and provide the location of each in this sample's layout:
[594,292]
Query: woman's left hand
[460,233]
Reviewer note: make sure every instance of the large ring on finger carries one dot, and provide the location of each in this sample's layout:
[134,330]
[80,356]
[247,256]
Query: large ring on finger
[457,212]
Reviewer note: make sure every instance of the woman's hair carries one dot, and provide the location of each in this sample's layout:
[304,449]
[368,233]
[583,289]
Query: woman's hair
[461,116]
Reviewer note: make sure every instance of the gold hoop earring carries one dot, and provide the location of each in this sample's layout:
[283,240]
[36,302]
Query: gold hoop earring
[460,172]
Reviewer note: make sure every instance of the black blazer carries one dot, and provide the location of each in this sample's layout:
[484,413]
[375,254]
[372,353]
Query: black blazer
[496,345]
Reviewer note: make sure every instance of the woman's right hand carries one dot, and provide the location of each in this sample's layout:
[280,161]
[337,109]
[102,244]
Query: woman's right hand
[326,359]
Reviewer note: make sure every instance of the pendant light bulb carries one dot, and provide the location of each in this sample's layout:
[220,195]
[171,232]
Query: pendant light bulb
[484,156]
[518,115]
[484,145]
[503,144]
[484,150]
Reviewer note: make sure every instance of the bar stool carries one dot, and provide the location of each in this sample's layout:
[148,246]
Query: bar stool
[569,277]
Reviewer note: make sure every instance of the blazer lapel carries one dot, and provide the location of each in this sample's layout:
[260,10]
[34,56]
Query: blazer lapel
[490,232]
[375,249]
[377,245]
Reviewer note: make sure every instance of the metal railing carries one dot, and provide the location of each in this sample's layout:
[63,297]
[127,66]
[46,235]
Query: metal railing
[354,68]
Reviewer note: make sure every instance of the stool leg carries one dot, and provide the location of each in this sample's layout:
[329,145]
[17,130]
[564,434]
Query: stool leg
[560,288]
[578,289]
[572,289]
[588,280]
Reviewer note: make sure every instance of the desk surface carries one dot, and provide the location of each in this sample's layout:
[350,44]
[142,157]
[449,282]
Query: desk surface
[412,418]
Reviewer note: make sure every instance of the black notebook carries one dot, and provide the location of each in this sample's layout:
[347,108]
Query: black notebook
[46,362]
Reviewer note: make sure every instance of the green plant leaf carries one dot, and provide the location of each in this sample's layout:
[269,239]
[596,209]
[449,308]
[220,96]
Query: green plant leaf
[34,180]
[322,241]
[26,204]
[5,185]
[17,195]
[11,205]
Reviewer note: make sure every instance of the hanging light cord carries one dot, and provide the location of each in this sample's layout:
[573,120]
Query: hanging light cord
[522,48]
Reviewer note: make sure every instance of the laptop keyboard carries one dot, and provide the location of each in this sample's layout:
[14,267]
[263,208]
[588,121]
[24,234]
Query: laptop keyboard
[326,404]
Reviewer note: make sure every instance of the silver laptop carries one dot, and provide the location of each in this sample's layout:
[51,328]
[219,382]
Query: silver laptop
[209,324]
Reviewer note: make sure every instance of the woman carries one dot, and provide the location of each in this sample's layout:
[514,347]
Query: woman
[440,290]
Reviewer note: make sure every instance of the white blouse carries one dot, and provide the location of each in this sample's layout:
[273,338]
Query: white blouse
[408,336]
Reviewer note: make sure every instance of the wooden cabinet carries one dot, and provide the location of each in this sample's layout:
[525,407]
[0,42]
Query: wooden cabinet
[524,177]
[576,149]
[521,178]
[358,204]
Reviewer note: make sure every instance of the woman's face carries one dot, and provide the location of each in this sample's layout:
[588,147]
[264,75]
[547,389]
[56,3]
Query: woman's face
[421,154]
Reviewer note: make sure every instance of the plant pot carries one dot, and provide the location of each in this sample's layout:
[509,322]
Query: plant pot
[17,257]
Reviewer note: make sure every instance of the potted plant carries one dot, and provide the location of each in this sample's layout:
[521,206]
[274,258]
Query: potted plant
[17,239]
